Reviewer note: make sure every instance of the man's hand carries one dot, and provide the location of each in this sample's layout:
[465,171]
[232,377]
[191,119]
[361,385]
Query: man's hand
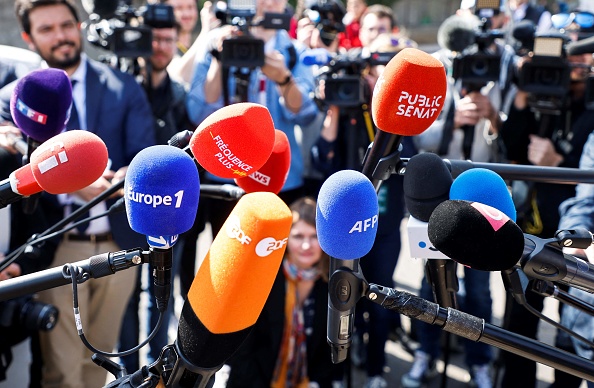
[6,137]
[274,67]
[12,271]
[472,108]
[541,152]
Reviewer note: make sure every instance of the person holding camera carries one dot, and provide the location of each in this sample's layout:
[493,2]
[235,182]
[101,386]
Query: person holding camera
[111,104]
[552,138]
[282,84]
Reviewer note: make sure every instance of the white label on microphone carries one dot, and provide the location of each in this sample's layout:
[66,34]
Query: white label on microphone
[418,106]
[155,199]
[228,159]
[362,226]
[260,178]
[163,242]
[268,245]
[233,229]
[53,160]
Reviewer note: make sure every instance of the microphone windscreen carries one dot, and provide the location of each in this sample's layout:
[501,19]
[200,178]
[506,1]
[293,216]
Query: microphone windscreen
[426,184]
[316,56]
[347,215]
[161,191]
[69,161]
[456,33]
[234,280]
[476,235]
[409,94]
[273,174]
[524,31]
[484,186]
[234,141]
[40,103]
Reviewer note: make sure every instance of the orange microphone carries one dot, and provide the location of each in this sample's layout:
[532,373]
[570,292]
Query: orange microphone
[273,174]
[407,99]
[229,290]
[234,141]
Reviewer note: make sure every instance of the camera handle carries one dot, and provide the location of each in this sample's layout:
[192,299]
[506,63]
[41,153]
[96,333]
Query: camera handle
[242,81]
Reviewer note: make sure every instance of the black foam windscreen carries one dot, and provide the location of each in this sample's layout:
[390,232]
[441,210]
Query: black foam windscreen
[456,33]
[203,348]
[426,184]
[476,235]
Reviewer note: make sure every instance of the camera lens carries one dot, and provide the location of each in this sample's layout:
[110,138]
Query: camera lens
[39,316]
[547,77]
[480,67]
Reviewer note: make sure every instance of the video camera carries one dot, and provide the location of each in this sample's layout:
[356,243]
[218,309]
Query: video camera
[327,16]
[244,50]
[19,318]
[125,31]
[345,85]
[476,65]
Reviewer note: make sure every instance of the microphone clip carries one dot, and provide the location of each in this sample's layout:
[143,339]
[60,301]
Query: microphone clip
[173,367]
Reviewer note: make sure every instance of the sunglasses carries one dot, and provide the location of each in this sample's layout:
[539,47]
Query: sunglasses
[564,20]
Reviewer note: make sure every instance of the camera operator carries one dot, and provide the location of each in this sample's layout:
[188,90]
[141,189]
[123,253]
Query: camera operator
[544,137]
[282,84]
[347,132]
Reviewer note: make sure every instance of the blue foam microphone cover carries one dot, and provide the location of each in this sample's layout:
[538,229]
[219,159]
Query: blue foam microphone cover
[484,186]
[40,103]
[347,215]
[161,191]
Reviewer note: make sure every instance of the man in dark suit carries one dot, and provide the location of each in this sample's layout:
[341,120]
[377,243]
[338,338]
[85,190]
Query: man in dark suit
[112,105]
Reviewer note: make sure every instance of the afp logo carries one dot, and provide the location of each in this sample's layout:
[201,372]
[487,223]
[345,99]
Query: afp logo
[268,245]
[362,226]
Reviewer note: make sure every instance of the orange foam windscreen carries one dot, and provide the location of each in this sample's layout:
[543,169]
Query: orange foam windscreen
[69,161]
[236,276]
[410,93]
[234,141]
[273,174]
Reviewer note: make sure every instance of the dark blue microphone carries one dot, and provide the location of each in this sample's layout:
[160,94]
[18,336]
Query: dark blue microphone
[346,222]
[317,56]
[161,194]
[484,186]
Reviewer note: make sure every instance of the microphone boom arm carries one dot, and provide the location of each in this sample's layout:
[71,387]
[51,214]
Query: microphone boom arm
[94,267]
[476,329]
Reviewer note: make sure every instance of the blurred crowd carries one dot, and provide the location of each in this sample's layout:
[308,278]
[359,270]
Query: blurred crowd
[314,66]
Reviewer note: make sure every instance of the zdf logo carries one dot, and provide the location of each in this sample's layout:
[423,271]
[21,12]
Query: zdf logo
[268,245]
[234,231]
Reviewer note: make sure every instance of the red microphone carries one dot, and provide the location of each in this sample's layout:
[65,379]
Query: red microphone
[409,94]
[407,99]
[273,174]
[65,163]
[234,141]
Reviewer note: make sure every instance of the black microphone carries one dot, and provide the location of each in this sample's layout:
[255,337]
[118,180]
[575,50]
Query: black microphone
[483,238]
[181,139]
[426,184]
[226,191]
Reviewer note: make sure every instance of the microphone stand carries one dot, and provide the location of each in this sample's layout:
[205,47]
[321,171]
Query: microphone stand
[558,175]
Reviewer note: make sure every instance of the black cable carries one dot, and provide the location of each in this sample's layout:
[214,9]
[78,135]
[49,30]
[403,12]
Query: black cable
[77,277]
